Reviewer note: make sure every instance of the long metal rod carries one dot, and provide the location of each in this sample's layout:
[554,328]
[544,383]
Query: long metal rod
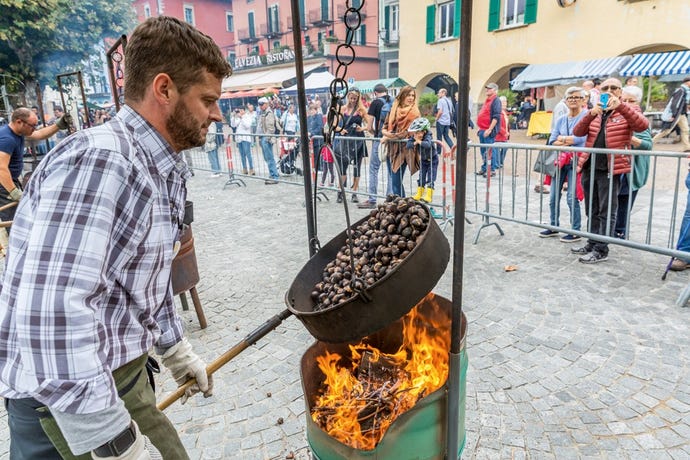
[453,411]
[303,132]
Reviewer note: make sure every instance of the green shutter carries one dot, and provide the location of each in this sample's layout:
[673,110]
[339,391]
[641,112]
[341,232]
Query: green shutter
[251,24]
[530,11]
[355,3]
[456,22]
[494,15]
[387,22]
[324,9]
[302,22]
[431,23]
[363,34]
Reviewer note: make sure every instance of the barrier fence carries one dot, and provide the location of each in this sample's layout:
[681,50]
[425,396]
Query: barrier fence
[652,217]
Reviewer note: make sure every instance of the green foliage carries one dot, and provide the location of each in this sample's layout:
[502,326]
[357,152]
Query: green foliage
[510,96]
[427,98]
[659,91]
[41,38]
[427,106]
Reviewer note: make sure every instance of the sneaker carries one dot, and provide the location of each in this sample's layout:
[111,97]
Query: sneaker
[270,182]
[541,189]
[593,257]
[367,205]
[678,265]
[340,198]
[547,233]
[583,250]
[480,173]
[570,238]
[354,198]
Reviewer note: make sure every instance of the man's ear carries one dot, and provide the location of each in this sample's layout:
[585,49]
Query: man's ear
[164,89]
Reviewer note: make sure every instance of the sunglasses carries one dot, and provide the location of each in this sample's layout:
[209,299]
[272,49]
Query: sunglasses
[611,88]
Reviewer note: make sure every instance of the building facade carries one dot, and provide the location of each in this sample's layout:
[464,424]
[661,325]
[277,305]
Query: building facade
[508,35]
[389,38]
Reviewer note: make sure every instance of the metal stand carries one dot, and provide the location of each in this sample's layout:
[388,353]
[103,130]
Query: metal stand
[485,218]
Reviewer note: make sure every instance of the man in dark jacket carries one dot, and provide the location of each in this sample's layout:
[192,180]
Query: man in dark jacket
[678,105]
[608,125]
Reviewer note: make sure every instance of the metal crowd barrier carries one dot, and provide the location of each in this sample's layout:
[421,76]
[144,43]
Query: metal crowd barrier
[509,196]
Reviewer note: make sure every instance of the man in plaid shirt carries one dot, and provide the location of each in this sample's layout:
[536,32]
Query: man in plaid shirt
[86,292]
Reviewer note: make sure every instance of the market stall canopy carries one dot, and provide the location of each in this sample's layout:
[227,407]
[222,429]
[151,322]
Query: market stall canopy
[658,64]
[564,73]
[266,77]
[316,81]
[367,86]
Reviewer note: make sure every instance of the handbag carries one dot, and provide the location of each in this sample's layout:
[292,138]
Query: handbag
[383,151]
[546,162]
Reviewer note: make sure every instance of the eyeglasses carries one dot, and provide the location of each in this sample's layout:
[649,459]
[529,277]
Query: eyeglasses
[629,101]
[611,88]
[573,98]
[29,124]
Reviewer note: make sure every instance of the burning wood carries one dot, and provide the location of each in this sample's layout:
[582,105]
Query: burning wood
[365,392]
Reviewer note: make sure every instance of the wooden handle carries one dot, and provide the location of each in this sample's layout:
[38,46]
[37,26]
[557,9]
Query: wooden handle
[251,339]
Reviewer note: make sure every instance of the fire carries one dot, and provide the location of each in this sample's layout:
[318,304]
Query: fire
[365,392]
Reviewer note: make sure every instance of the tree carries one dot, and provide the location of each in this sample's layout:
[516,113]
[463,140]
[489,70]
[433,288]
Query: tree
[42,38]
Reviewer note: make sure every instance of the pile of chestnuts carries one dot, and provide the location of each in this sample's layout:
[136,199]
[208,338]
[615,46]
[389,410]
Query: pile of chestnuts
[379,244]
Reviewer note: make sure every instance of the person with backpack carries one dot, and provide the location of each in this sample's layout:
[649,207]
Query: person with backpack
[378,111]
[675,114]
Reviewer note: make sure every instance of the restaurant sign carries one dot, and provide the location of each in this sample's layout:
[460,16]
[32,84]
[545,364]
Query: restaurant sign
[275,57]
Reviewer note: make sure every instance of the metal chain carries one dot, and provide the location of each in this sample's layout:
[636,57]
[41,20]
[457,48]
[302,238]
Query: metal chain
[345,55]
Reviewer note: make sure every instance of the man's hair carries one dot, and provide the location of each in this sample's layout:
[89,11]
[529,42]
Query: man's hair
[574,89]
[167,45]
[629,79]
[633,91]
[22,113]
[686,79]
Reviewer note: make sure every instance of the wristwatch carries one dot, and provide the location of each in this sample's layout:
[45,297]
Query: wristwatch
[119,444]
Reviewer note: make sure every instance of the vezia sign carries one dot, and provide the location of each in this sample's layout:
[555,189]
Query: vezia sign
[276,57]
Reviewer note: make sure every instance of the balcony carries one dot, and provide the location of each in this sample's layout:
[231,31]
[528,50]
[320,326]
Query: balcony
[320,18]
[342,9]
[305,27]
[247,36]
[267,31]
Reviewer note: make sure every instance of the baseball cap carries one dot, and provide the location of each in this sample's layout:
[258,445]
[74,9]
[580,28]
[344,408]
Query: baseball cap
[493,86]
[263,100]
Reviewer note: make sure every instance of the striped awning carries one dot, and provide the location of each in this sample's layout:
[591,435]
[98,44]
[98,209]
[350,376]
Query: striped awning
[644,65]
[564,73]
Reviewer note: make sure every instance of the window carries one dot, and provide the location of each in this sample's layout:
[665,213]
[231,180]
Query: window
[231,57]
[276,44]
[159,7]
[250,21]
[147,11]
[273,19]
[229,22]
[324,10]
[508,13]
[392,69]
[391,18]
[189,14]
[443,21]
[360,37]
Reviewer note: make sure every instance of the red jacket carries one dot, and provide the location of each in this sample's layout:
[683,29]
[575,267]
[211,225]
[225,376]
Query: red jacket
[504,129]
[620,126]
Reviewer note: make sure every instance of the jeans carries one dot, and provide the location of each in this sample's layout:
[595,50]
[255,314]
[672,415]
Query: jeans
[442,133]
[397,178]
[684,235]
[267,150]
[624,196]
[599,200]
[567,172]
[501,152]
[246,154]
[484,151]
[213,159]
[374,166]
[428,170]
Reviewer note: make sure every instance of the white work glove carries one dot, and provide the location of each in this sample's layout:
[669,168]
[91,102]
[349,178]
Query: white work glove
[185,364]
[16,194]
[142,449]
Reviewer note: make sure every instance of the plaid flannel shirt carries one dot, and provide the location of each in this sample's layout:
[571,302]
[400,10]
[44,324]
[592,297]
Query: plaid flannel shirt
[86,288]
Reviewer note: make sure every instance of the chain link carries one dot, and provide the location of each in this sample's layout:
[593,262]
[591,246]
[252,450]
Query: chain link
[344,55]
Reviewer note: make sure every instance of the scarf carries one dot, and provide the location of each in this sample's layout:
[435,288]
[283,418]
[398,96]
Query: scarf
[403,118]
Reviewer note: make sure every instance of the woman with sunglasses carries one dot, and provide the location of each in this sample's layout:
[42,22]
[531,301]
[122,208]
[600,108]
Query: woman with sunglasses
[403,112]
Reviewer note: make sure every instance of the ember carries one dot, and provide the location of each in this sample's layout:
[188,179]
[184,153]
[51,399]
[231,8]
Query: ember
[365,392]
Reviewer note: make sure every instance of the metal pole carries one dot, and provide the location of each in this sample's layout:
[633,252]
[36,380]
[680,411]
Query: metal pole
[453,410]
[303,133]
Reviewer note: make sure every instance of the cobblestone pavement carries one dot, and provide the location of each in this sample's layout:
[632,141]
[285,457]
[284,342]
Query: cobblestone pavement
[565,360]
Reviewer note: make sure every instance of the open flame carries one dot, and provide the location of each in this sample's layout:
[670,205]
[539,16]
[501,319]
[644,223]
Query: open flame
[365,392]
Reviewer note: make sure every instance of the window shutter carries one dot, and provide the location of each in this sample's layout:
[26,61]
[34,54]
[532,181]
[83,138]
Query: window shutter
[494,15]
[530,11]
[363,34]
[355,3]
[250,18]
[456,21]
[324,9]
[431,23]
[302,22]
[387,21]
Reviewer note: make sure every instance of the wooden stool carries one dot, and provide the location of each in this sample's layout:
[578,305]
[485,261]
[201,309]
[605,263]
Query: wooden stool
[185,274]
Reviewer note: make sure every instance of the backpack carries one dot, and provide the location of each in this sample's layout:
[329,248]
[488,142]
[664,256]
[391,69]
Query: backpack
[385,110]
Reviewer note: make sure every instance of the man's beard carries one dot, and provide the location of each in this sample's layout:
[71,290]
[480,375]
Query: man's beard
[185,133]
